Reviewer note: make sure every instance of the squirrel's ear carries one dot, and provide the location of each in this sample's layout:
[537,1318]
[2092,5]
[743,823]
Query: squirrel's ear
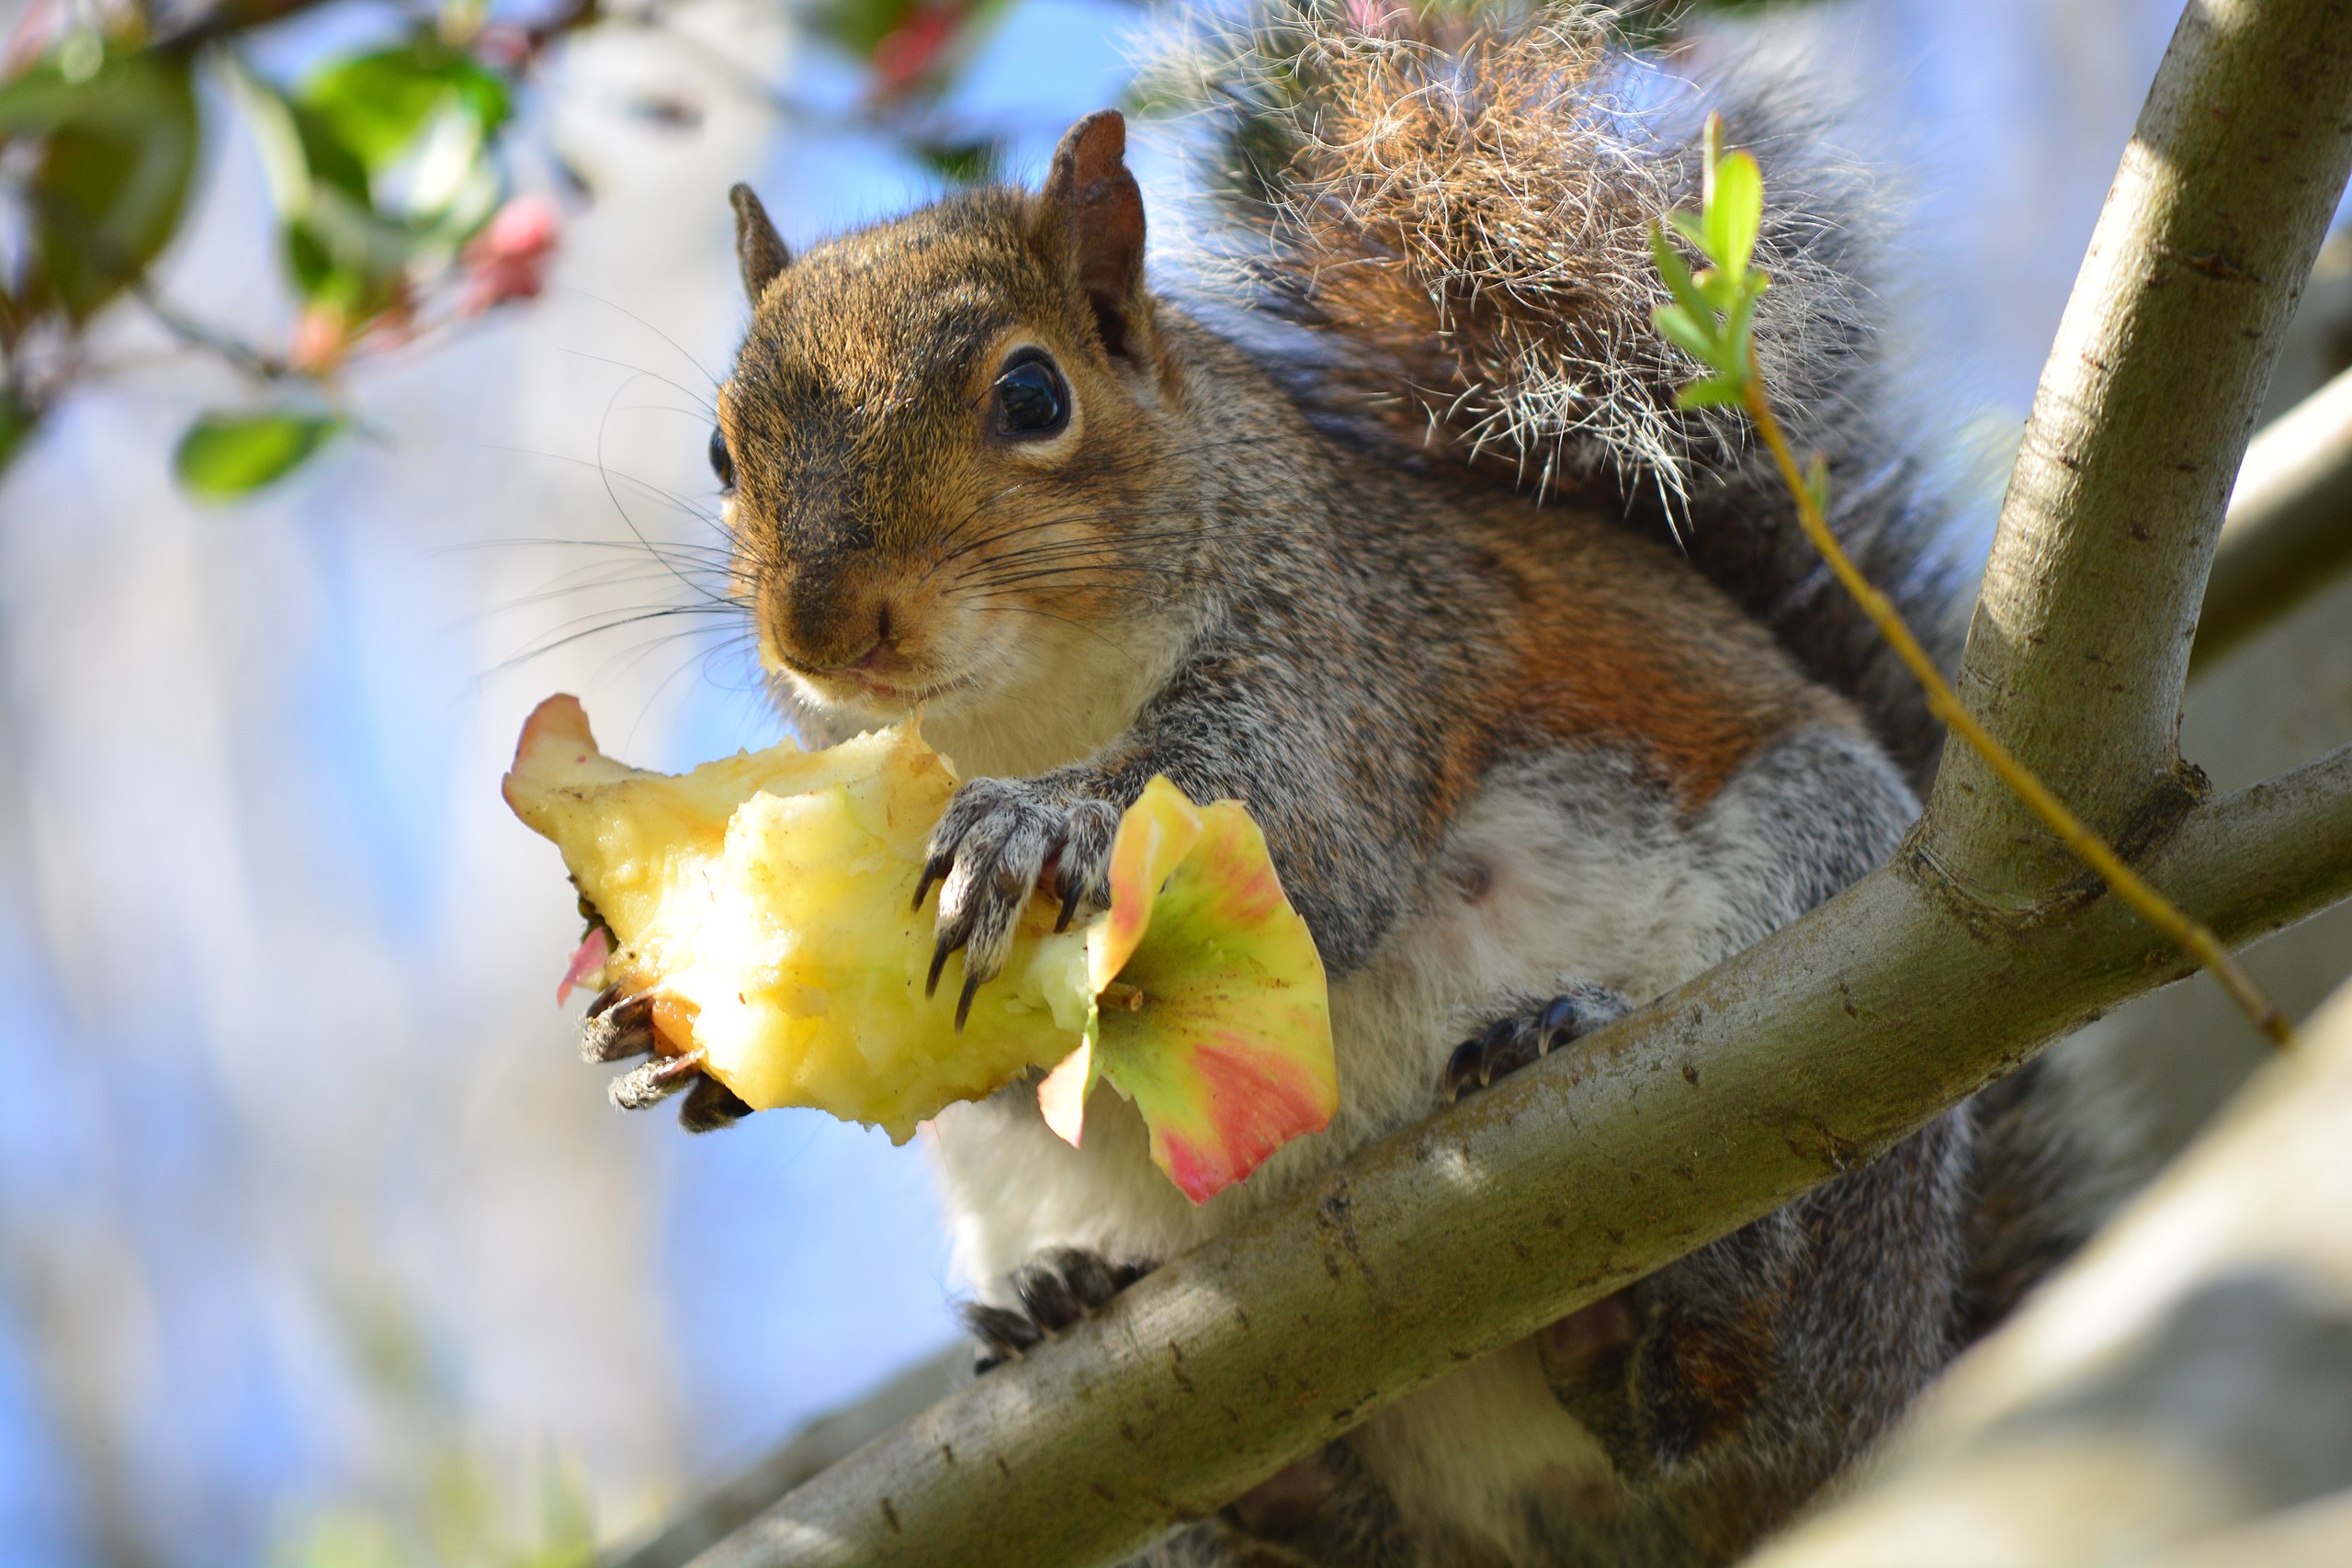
[759,249]
[1090,195]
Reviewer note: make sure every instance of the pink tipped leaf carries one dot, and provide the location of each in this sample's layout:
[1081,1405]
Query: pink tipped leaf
[1229,1056]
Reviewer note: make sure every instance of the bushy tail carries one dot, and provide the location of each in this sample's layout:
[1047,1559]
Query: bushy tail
[1443,219]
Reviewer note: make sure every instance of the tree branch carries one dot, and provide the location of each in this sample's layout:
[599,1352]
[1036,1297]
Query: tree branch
[2190,1374]
[1808,1054]
[2080,642]
[2289,530]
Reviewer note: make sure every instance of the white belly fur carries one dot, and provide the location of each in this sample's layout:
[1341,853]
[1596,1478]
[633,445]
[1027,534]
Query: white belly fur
[1573,866]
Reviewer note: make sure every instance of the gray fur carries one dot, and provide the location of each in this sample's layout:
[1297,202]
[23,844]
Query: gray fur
[1498,753]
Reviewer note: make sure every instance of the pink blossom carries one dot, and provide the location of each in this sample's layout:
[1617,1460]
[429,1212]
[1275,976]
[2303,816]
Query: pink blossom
[509,259]
[504,45]
[903,58]
[321,336]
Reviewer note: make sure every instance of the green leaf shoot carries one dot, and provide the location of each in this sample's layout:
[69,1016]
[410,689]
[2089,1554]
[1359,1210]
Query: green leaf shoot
[1714,314]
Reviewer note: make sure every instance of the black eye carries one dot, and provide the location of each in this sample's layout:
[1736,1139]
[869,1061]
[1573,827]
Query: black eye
[722,462]
[1030,399]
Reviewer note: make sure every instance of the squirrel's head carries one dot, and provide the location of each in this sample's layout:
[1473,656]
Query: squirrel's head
[940,437]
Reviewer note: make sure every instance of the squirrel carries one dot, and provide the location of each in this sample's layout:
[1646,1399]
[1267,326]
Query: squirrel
[1377,512]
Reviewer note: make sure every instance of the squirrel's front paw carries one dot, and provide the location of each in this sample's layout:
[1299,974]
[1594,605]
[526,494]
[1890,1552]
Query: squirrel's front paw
[1055,1289]
[1524,1035]
[997,841]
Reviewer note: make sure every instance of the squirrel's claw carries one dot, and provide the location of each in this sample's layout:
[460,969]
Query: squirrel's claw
[990,852]
[932,870]
[1082,863]
[1055,1289]
[617,1027]
[1529,1033]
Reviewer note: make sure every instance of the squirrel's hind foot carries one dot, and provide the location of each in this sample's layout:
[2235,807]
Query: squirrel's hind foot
[1528,1033]
[619,1027]
[1056,1290]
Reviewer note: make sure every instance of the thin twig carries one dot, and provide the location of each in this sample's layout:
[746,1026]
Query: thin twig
[243,356]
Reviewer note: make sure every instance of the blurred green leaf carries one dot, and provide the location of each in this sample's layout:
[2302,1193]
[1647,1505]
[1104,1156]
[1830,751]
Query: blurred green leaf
[1693,313]
[340,250]
[1714,314]
[379,105]
[298,150]
[327,158]
[965,163]
[1739,321]
[106,190]
[913,46]
[860,25]
[15,423]
[1816,483]
[223,457]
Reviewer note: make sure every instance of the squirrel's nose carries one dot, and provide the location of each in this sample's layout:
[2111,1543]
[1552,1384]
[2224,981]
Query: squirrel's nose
[882,650]
[835,643]
[880,656]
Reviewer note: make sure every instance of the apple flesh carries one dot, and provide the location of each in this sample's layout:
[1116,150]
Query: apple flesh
[766,903]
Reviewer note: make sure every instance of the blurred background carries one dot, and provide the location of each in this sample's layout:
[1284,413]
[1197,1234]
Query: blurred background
[358,365]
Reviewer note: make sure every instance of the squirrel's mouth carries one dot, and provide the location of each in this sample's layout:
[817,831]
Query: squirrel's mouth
[888,680]
[863,689]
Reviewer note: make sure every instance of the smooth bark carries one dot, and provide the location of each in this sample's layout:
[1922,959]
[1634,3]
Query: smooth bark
[2290,528]
[2082,632]
[2184,1387]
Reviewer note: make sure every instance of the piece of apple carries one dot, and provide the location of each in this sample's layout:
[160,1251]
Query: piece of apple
[767,904]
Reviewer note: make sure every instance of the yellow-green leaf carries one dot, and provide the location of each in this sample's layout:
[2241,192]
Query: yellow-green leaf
[1676,326]
[1712,392]
[1678,281]
[1734,214]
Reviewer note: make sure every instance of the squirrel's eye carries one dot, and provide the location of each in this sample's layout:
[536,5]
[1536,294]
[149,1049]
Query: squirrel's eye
[1030,399]
[722,462]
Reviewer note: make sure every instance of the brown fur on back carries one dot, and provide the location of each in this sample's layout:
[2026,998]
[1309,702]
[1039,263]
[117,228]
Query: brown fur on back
[1452,214]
